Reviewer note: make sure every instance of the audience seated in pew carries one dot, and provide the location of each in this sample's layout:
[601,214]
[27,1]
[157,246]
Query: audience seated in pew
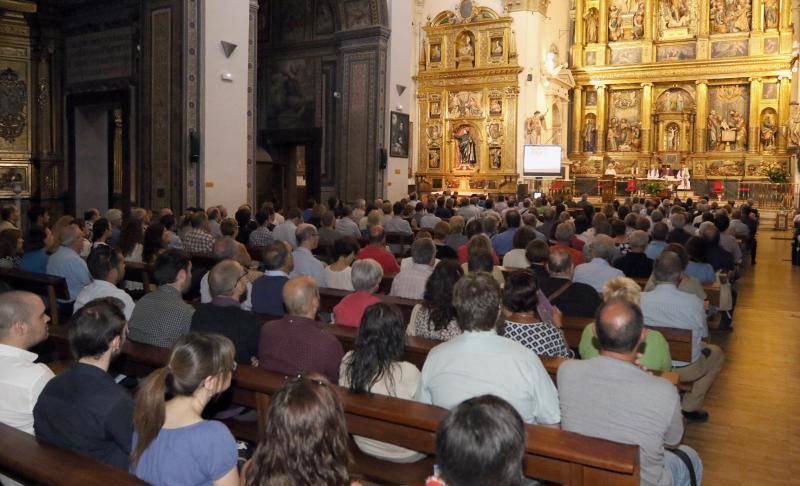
[23,325]
[376,365]
[481,259]
[376,250]
[687,284]
[338,273]
[494,364]
[572,298]
[296,343]
[366,277]
[611,398]
[667,306]
[517,257]
[267,291]
[107,268]
[227,248]
[440,233]
[34,258]
[435,317]
[173,444]
[305,263]
[474,227]
[658,243]
[656,356]
[634,263]
[537,253]
[599,270]
[410,282]
[225,315]
[162,316]
[66,261]
[564,233]
[83,409]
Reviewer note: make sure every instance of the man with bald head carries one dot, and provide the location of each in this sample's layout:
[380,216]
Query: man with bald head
[376,249]
[610,397]
[296,343]
[229,249]
[224,315]
[23,324]
[599,270]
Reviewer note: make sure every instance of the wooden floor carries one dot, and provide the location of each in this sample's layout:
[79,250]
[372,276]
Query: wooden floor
[753,434]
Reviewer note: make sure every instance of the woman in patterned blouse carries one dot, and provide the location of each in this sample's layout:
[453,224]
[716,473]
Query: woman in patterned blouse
[522,322]
[435,317]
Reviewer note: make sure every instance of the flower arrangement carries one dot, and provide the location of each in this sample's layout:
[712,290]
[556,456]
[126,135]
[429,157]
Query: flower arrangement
[653,188]
[775,172]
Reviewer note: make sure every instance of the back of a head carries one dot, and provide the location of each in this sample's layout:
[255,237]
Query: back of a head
[668,268]
[305,440]
[513,218]
[564,232]
[328,217]
[537,251]
[696,249]
[99,227]
[94,327]
[523,236]
[619,324]
[476,298]
[398,208]
[519,292]
[366,274]
[274,256]
[709,232]
[441,230]
[423,251]
[345,246]
[722,221]
[680,251]
[114,215]
[559,261]
[102,260]
[168,220]
[377,235]
[618,227]
[293,214]
[481,442]
[379,345]
[222,279]
[638,239]
[229,227]
[199,219]
[70,234]
[622,288]
[456,225]
[305,232]
[298,294]
[169,264]
[660,231]
[224,248]
[678,220]
[474,227]
[603,247]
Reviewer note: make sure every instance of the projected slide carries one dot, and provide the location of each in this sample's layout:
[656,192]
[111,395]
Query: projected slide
[542,160]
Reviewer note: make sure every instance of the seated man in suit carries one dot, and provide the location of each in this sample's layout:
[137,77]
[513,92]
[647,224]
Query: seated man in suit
[572,298]
[268,290]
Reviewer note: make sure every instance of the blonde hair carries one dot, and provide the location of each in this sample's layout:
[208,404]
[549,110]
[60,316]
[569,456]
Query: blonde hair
[622,288]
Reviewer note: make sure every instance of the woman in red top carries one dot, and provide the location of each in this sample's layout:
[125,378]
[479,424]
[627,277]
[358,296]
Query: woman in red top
[366,276]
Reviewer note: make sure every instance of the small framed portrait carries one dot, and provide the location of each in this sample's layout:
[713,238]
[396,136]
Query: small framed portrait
[436,53]
[399,135]
[591,98]
[436,183]
[435,109]
[496,45]
[495,157]
[434,159]
[496,106]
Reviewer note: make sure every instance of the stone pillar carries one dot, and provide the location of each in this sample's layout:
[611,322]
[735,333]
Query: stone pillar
[602,29]
[753,119]
[577,119]
[252,77]
[702,18]
[650,19]
[647,109]
[783,112]
[700,138]
[601,118]
[758,17]
[580,31]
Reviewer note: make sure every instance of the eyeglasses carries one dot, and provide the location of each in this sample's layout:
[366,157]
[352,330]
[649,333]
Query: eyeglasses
[299,377]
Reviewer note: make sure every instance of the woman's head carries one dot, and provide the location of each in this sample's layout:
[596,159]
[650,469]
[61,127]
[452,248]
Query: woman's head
[438,295]
[519,292]
[38,237]
[305,441]
[481,441]
[155,240]
[380,343]
[130,236]
[523,236]
[366,275]
[696,249]
[346,247]
[201,365]
[622,288]
[374,218]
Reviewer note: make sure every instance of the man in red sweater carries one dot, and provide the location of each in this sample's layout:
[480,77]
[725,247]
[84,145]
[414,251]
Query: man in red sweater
[376,249]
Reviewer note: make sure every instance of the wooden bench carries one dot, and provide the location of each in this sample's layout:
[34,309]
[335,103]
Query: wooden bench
[403,240]
[328,298]
[52,287]
[140,272]
[712,291]
[24,458]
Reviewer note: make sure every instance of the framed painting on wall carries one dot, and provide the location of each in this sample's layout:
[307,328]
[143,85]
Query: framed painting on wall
[399,135]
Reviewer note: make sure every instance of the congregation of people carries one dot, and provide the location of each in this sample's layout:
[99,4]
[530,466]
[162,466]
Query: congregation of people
[491,279]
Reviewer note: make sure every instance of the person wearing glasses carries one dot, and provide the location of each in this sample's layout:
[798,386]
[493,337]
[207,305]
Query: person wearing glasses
[172,444]
[224,315]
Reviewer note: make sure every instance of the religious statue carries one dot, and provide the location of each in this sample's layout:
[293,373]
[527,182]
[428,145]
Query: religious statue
[614,23]
[768,132]
[683,178]
[794,126]
[673,139]
[736,122]
[466,52]
[730,16]
[533,128]
[467,152]
[638,22]
[714,126]
[611,137]
[435,109]
[433,159]
[495,158]
[771,14]
[497,47]
[591,21]
[496,106]
[589,136]
[674,13]
[436,53]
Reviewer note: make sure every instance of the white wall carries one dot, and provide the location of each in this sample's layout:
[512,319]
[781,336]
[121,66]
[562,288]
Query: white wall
[401,68]
[224,104]
[91,158]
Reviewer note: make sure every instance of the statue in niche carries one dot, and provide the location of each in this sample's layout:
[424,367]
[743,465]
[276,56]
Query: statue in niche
[467,152]
[612,136]
[771,14]
[794,126]
[614,23]
[768,132]
[736,122]
[714,126]
[589,136]
[638,22]
[672,137]
[592,22]
[533,128]
[674,13]
[466,52]
[495,158]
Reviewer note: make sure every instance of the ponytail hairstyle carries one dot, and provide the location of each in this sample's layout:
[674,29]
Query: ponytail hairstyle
[195,357]
[305,442]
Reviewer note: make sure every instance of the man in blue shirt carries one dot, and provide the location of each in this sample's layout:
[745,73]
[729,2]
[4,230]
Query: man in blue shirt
[305,263]
[67,262]
[504,242]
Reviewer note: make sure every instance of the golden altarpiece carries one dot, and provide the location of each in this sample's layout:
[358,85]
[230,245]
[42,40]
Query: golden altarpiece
[660,83]
[467,94]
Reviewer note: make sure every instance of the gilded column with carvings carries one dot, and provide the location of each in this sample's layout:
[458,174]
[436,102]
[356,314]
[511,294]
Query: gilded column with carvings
[649,25]
[753,121]
[702,115]
[647,119]
[602,29]
[702,18]
[580,34]
[601,118]
[784,97]
[758,17]
[577,117]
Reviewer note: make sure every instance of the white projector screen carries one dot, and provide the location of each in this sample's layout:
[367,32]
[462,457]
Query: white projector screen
[542,160]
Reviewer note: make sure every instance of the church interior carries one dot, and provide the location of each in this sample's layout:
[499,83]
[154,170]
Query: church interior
[558,111]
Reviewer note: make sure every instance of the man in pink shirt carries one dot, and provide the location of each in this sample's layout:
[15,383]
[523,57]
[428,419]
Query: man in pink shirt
[376,250]
[366,276]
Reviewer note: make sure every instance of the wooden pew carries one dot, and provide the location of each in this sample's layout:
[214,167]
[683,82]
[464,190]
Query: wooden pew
[52,287]
[551,454]
[402,240]
[712,291]
[27,459]
[328,298]
[140,272]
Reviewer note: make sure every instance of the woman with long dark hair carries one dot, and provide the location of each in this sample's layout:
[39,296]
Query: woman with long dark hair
[172,444]
[156,238]
[130,240]
[376,365]
[435,317]
[305,441]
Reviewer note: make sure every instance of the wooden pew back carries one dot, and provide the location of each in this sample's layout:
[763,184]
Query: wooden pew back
[52,287]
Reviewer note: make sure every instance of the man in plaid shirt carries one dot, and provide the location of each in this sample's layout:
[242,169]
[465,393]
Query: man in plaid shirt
[198,239]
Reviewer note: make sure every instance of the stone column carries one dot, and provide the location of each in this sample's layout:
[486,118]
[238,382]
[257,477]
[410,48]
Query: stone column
[602,29]
[783,112]
[753,119]
[647,109]
[758,16]
[702,18]
[580,31]
[601,118]
[700,138]
[650,19]
[577,119]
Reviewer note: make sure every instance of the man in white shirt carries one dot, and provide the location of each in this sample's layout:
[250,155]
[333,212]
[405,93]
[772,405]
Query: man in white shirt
[599,270]
[229,249]
[481,362]
[107,266]
[410,282]
[23,324]
[666,306]
[286,231]
[305,263]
